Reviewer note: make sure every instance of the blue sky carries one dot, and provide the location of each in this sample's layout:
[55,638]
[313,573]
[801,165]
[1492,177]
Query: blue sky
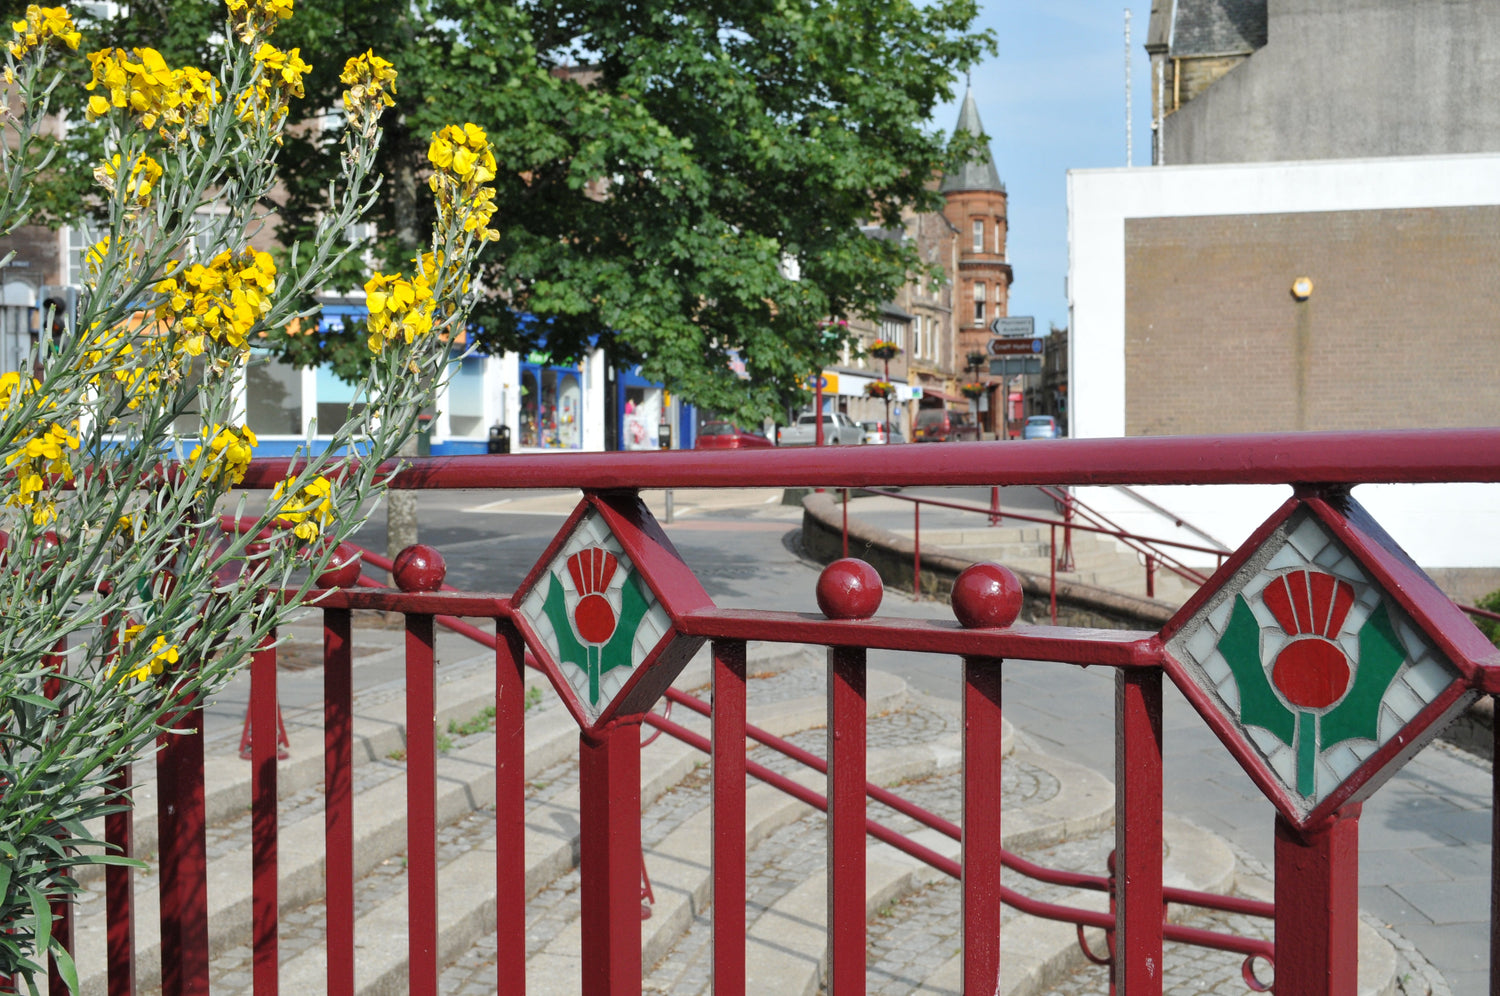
[1052,100]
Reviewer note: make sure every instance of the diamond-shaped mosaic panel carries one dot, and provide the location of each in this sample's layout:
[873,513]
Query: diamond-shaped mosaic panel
[594,612]
[1310,660]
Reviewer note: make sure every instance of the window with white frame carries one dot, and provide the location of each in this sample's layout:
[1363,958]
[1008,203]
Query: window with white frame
[999,238]
[979,302]
[979,235]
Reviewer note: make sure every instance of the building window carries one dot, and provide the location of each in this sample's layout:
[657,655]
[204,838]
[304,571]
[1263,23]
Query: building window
[273,396]
[979,235]
[979,302]
[466,396]
[999,238]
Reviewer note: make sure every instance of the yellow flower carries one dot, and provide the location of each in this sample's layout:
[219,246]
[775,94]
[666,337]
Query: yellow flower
[43,27]
[228,453]
[144,174]
[308,510]
[141,82]
[162,653]
[222,300]
[399,308]
[372,84]
[464,162]
[251,18]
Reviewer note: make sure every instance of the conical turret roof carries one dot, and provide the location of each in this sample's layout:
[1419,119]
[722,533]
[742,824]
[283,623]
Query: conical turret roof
[978,173]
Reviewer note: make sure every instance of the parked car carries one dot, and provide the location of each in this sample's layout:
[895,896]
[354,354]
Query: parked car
[837,431]
[1040,427]
[881,432]
[719,435]
[939,425]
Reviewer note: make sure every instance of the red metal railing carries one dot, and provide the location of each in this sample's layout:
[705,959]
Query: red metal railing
[1315,903]
[1154,551]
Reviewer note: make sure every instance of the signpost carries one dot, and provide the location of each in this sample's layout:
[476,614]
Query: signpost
[1015,347]
[1014,326]
[1013,366]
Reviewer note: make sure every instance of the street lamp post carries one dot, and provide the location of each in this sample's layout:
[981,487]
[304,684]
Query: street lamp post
[975,364]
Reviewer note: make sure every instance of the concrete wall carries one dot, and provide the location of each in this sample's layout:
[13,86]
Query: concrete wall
[1352,78]
[1438,525]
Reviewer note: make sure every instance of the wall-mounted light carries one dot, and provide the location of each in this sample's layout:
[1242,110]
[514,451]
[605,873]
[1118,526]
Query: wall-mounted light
[1302,288]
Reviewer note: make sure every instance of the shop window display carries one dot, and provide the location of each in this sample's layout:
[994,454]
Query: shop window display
[551,408]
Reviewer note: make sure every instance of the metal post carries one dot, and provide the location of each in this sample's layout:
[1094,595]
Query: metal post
[729,817]
[818,405]
[846,521]
[1052,574]
[183,852]
[421,804]
[1150,575]
[338,805]
[510,809]
[264,742]
[916,557]
[982,851]
[609,861]
[119,893]
[1495,855]
[995,506]
[846,820]
[1137,968]
[1317,907]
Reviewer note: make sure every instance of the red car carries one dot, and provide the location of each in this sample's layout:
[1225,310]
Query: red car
[728,436]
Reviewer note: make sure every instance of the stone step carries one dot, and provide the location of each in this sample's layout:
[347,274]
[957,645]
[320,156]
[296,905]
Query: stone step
[465,780]
[467,877]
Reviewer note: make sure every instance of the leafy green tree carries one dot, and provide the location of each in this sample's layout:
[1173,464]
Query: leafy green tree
[677,182]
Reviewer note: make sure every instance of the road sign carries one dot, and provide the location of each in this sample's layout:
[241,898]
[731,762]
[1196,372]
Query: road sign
[1014,326]
[1012,366]
[1015,347]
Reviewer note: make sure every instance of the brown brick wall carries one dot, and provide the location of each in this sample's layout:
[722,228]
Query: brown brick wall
[1402,328]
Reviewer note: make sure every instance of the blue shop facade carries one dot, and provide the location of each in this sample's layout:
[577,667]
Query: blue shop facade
[548,405]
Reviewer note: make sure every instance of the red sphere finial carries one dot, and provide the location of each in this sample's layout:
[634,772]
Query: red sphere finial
[343,569]
[849,589]
[986,595]
[419,568]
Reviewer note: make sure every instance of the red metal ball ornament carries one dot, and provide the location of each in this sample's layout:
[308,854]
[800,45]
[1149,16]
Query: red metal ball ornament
[985,596]
[849,589]
[343,570]
[419,568]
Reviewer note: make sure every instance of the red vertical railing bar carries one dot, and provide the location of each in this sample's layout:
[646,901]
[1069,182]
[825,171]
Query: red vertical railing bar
[1052,573]
[916,554]
[421,804]
[846,820]
[609,859]
[119,894]
[729,817]
[510,809]
[1150,576]
[62,911]
[183,857]
[1495,855]
[264,741]
[1317,907]
[995,506]
[338,797]
[1137,969]
[982,851]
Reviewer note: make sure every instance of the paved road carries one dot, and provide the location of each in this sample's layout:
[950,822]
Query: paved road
[1425,835]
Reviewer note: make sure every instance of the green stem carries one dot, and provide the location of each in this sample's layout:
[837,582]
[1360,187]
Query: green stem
[1307,753]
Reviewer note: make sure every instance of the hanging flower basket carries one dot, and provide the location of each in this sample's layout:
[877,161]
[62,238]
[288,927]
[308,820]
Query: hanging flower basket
[883,349]
[880,389]
[973,389]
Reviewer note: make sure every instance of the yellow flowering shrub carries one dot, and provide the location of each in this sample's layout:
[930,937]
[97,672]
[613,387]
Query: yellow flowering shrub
[123,441]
